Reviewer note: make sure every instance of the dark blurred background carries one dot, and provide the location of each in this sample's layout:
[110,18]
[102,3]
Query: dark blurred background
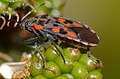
[104,17]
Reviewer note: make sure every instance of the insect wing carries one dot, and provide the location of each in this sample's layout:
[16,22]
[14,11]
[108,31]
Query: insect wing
[63,32]
[74,30]
[87,35]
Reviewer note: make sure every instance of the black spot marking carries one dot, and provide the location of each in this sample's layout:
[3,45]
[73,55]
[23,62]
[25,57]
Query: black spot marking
[55,25]
[55,18]
[40,22]
[48,21]
[44,16]
[54,38]
[65,22]
[36,16]
[69,21]
[62,31]
[58,22]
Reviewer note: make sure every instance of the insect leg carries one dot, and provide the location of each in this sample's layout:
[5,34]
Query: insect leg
[50,38]
[36,44]
[92,57]
[40,55]
[30,41]
[89,54]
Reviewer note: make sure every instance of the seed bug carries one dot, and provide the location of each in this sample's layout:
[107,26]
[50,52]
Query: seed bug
[59,28]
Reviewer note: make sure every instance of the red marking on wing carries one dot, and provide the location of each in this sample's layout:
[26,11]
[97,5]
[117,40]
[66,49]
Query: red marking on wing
[43,19]
[67,24]
[56,29]
[33,24]
[50,25]
[65,29]
[38,27]
[71,34]
[77,24]
[53,19]
[61,20]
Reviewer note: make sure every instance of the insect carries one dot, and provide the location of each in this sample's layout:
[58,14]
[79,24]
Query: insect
[59,28]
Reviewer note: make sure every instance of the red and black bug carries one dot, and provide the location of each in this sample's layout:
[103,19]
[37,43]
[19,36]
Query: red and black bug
[58,28]
[62,29]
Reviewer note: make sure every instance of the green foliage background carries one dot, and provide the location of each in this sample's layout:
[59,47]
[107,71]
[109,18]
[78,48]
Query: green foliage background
[104,17]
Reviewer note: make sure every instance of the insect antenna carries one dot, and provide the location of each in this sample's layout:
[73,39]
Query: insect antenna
[23,18]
